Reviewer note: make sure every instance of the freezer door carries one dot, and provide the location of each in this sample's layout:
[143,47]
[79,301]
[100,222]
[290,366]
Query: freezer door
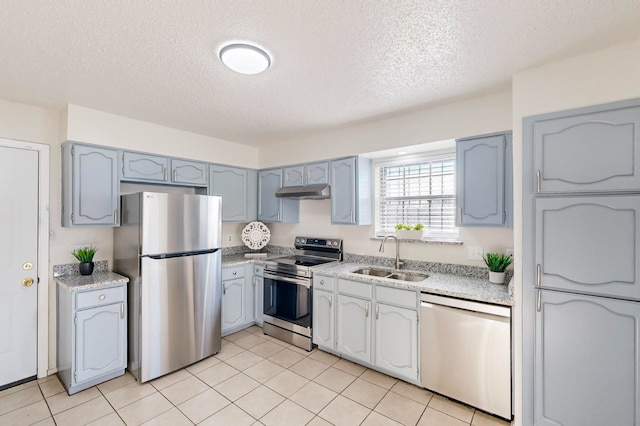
[180,312]
[174,223]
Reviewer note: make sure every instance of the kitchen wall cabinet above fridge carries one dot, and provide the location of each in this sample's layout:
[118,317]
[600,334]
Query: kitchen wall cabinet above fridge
[484,181]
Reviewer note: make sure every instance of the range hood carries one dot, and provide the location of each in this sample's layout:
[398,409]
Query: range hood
[309,192]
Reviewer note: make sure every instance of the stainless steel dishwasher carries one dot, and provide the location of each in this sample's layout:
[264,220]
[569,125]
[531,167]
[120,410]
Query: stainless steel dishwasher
[466,352]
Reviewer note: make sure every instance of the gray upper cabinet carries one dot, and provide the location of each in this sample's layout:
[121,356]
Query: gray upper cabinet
[90,187]
[588,244]
[316,173]
[587,365]
[144,167]
[238,189]
[271,208]
[351,191]
[307,174]
[293,176]
[483,167]
[587,150]
[189,172]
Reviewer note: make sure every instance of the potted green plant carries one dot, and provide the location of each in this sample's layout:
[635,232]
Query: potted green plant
[497,263]
[409,232]
[85,257]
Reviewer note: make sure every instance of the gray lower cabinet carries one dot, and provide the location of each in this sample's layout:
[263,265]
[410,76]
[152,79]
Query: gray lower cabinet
[396,340]
[92,336]
[483,180]
[144,167]
[589,149]
[587,364]
[90,186]
[270,207]
[351,191]
[238,189]
[234,299]
[374,325]
[353,328]
[324,311]
[190,173]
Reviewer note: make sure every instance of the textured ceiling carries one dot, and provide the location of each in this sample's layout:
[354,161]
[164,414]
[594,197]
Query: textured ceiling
[334,61]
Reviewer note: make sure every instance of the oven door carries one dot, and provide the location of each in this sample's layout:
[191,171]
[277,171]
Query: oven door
[287,302]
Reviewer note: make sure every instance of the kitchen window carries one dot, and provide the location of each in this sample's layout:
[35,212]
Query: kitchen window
[417,190]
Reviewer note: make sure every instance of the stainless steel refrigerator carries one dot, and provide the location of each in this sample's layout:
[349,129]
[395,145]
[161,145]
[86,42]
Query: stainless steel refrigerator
[169,245]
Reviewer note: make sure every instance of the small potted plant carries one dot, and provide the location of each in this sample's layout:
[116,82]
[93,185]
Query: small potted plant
[497,263]
[85,257]
[409,232]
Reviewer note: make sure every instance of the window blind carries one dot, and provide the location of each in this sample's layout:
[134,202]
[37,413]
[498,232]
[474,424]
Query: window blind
[421,190]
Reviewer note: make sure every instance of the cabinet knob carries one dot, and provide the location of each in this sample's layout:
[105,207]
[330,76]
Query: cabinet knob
[102,297]
[235,272]
[321,282]
[27,282]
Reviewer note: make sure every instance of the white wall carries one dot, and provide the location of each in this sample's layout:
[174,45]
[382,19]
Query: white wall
[469,117]
[51,127]
[599,77]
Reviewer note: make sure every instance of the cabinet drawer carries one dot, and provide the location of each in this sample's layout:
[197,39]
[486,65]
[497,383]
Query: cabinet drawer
[232,272]
[258,270]
[322,282]
[105,296]
[355,288]
[396,296]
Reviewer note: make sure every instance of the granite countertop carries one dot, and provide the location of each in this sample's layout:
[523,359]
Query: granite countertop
[442,284]
[90,282]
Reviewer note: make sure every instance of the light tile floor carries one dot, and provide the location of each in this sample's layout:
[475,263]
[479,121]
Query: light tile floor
[254,380]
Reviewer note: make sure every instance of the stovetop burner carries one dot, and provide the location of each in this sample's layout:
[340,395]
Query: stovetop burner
[309,252]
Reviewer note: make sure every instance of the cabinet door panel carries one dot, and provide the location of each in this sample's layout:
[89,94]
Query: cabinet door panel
[95,186]
[396,340]
[188,172]
[589,244]
[354,328]
[323,318]
[587,364]
[293,176]
[316,173]
[343,191]
[269,207]
[233,303]
[481,181]
[232,185]
[100,341]
[145,167]
[588,151]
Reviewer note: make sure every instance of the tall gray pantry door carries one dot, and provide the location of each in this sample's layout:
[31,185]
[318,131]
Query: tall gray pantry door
[18,264]
[581,266]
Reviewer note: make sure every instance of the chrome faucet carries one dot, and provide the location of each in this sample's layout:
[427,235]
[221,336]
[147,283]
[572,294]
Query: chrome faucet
[381,249]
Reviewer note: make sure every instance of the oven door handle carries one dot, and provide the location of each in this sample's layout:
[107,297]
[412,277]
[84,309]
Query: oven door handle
[302,282]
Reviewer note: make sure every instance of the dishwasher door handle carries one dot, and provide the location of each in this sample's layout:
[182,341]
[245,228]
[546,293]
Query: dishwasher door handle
[467,305]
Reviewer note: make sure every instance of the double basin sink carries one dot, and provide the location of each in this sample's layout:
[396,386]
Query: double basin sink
[382,273]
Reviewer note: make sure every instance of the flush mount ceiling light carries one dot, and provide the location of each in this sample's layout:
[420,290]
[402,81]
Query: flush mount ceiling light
[245,58]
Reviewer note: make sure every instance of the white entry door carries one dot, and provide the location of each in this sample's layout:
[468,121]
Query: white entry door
[18,264]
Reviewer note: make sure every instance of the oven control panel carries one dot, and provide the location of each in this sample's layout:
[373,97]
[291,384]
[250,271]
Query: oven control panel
[310,242]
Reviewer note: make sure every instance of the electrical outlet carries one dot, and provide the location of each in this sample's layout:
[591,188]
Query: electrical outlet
[229,238]
[475,253]
[509,252]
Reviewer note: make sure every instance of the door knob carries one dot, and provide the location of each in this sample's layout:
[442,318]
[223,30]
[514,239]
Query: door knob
[27,266]
[27,282]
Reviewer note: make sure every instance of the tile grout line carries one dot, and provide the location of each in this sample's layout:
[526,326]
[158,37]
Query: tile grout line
[111,405]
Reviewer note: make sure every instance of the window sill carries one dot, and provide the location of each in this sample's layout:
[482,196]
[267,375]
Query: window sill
[428,240]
